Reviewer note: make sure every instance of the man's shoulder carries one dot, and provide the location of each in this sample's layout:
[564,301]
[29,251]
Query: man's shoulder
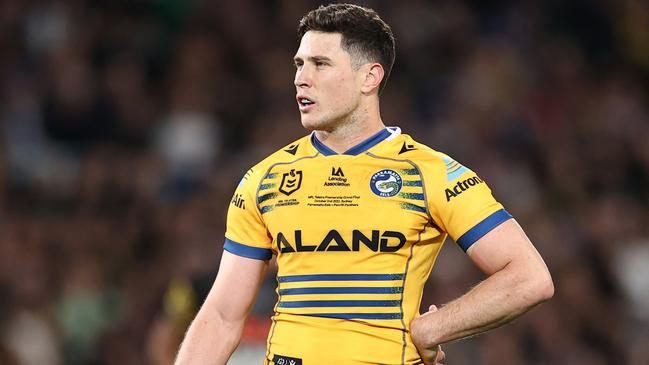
[404,147]
[291,152]
[429,161]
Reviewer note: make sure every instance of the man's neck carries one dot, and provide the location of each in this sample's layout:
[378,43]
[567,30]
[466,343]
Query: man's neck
[345,137]
[358,128]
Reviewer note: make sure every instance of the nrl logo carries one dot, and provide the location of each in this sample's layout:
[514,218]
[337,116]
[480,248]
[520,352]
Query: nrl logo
[291,182]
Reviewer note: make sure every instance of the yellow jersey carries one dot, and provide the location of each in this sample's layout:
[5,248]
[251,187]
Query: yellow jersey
[356,236]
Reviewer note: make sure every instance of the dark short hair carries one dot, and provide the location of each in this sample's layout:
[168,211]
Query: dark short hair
[365,36]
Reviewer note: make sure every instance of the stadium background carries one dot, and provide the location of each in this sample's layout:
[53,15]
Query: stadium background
[125,126]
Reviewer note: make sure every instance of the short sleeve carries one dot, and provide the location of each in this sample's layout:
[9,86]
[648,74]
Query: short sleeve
[246,233]
[462,204]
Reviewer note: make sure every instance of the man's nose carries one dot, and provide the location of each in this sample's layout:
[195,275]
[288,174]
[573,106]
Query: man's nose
[303,77]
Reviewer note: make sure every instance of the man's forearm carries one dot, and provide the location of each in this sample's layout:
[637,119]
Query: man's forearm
[209,340]
[215,332]
[496,301]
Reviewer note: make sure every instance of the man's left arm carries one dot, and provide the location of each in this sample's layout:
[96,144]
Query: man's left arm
[518,279]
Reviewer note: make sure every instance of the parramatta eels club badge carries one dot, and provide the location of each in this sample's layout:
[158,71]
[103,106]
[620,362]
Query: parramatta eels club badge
[386,183]
[291,182]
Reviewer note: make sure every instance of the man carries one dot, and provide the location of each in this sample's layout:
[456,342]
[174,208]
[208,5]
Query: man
[356,214]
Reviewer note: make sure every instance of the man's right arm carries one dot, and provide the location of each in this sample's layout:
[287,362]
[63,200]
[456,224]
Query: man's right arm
[215,332]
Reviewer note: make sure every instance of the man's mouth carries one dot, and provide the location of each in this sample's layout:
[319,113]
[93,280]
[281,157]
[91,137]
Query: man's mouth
[305,101]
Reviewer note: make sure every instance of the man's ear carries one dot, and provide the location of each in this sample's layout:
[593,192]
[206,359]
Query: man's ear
[374,74]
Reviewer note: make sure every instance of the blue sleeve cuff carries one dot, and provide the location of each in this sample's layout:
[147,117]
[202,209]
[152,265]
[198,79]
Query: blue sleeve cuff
[482,228]
[247,251]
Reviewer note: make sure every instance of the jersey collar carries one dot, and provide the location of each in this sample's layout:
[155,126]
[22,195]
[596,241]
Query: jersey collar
[387,133]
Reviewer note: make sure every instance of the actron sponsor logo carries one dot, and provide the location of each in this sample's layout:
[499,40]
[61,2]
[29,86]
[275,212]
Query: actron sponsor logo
[461,187]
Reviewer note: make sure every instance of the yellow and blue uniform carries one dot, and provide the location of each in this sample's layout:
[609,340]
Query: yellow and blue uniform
[356,236]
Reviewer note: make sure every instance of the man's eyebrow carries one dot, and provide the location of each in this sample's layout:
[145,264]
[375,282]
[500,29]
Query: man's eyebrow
[319,58]
[312,59]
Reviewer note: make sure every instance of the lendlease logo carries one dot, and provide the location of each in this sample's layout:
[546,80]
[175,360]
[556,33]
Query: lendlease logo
[462,186]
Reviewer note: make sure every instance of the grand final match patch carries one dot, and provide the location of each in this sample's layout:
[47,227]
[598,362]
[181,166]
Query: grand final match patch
[386,183]
[285,360]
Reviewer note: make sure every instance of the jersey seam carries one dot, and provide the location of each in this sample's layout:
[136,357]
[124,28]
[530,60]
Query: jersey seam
[273,318]
[279,296]
[405,275]
[423,182]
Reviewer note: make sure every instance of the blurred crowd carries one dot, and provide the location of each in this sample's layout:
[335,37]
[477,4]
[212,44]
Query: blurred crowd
[125,126]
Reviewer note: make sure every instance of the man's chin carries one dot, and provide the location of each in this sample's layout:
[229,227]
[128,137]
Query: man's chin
[310,124]
[317,124]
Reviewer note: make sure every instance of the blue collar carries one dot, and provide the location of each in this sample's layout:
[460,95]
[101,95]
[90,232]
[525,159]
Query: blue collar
[356,150]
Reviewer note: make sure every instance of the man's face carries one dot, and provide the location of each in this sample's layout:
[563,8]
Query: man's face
[328,87]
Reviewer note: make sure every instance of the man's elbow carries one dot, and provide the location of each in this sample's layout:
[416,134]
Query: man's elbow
[542,288]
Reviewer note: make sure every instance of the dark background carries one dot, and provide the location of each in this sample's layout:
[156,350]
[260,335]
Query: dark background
[126,125]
